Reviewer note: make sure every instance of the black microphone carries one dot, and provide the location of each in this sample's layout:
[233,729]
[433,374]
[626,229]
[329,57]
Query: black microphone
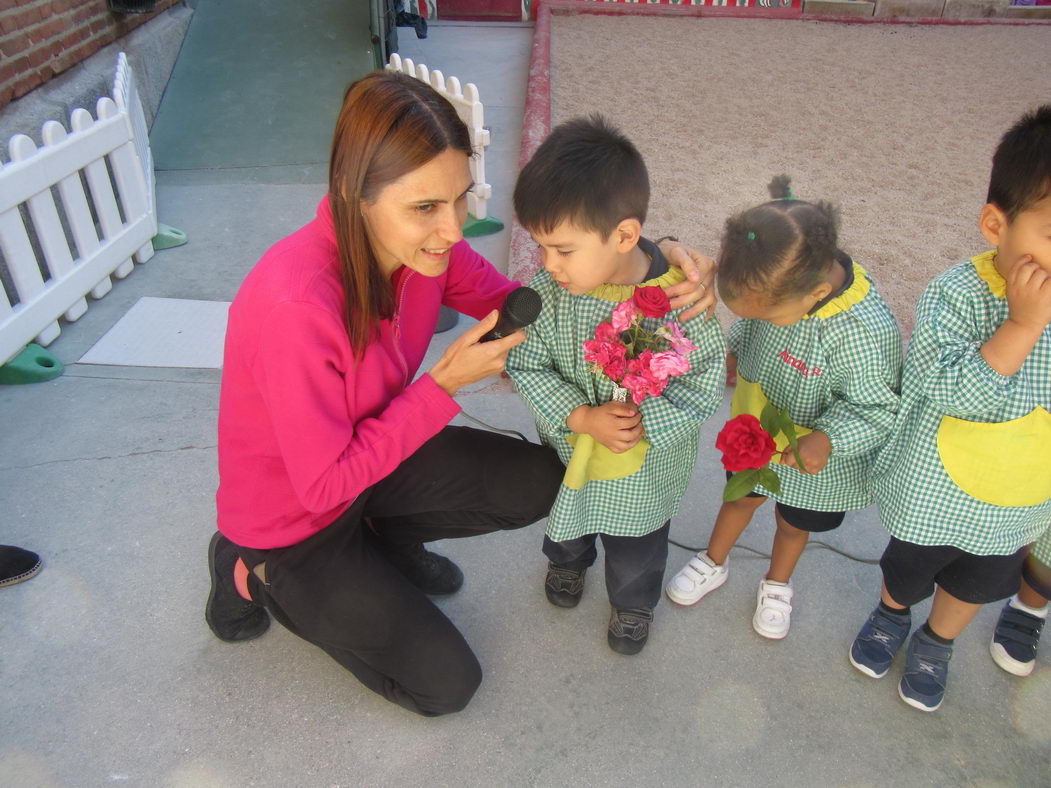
[521,307]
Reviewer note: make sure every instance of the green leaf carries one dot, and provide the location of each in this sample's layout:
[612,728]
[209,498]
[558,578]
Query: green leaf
[770,480]
[770,419]
[740,484]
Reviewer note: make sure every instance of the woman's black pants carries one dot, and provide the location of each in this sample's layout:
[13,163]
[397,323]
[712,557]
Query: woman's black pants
[338,591]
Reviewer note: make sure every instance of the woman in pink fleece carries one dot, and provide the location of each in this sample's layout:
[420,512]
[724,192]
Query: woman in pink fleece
[335,464]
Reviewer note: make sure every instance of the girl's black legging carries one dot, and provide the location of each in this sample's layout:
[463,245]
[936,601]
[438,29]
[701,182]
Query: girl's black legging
[338,591]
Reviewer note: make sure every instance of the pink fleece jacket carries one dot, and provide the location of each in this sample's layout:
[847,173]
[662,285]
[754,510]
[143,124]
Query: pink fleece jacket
[303,427]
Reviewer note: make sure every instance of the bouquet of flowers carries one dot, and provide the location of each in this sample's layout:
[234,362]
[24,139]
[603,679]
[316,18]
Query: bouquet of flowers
[639,360]
[747,444]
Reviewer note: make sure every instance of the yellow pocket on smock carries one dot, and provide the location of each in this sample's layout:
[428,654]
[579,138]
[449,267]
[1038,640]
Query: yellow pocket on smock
[591,461]
[1005,463]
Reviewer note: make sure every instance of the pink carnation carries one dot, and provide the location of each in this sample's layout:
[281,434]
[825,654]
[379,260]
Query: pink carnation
[668,364]
[679,342]
[605,332]
[624,315]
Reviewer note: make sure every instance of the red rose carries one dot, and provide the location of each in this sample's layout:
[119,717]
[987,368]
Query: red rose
[651,301]
[745,444]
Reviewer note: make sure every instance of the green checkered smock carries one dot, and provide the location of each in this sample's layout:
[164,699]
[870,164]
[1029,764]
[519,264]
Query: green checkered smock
[837,370]
[550,374]
[969,464]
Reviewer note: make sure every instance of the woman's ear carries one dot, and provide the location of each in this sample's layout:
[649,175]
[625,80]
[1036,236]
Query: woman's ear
[992,222]
[627,234]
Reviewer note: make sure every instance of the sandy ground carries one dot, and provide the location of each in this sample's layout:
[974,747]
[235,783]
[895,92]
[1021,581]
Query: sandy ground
[894,124]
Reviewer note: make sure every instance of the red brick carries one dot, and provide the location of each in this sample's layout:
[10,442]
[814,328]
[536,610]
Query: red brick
[11,69]
[26,84]
[47,31]
[13,44]
[84,13]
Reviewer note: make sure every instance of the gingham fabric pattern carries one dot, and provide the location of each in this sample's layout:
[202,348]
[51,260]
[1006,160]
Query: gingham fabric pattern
[946,376]
[837,371]
[551,376]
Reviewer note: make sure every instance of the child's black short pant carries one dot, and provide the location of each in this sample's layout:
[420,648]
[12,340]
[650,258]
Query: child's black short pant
[804,519]
[911,571]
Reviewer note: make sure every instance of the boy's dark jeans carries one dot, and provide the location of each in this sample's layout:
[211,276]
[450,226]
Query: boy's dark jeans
[634,564]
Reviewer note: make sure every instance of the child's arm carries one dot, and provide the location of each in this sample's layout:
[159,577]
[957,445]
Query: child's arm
[1029,302]
[690,399]
[544,391]
[948,351]
[865,370]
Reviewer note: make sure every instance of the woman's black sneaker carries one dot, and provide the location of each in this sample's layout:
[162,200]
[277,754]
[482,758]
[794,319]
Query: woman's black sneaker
[231,617]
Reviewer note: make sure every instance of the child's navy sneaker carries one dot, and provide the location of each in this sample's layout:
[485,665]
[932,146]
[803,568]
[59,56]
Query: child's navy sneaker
[922,684]
[873,650]
[1015,640]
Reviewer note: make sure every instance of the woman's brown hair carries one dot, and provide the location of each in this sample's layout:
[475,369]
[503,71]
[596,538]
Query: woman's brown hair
[390,125]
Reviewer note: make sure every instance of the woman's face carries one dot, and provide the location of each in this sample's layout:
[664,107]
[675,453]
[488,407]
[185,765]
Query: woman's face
[415,220]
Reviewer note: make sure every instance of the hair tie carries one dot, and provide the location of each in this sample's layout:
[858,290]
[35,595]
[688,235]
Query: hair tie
[751,236]
[788,193]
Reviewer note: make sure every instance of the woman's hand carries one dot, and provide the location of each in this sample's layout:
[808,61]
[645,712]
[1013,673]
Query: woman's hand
[616,425]
[467,360]
[699,287]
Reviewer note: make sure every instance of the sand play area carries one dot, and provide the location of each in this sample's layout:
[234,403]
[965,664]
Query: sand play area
[895,124]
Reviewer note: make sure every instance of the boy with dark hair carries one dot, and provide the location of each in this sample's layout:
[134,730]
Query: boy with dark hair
[583,197]
[963,485]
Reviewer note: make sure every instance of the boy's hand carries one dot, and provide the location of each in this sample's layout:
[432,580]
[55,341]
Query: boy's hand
[616,425]
[814,449]
[1029,294]
[699,287]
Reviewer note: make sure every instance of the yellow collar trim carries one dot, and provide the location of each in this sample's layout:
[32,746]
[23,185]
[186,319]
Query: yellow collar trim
[985,267]
[854,294]
[619,293]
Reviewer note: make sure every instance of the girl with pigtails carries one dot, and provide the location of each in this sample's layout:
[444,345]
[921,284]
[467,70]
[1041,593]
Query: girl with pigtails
[816,340]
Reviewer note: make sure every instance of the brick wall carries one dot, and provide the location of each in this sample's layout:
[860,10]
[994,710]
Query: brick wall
[42,38]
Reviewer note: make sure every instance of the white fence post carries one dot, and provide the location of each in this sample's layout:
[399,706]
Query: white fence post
[469,108]
[76,256]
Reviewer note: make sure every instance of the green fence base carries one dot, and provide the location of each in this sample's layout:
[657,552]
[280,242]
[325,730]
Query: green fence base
[472,228]
[167,237]
[32,365]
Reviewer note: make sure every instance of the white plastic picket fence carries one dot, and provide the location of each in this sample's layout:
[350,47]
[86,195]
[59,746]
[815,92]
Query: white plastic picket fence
[57,251]
[469,108]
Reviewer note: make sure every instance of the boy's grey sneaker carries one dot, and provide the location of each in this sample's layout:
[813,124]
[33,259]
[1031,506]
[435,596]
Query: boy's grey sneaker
[1015,640]
[629,629]
[873,650]
[922,684]
[563,586]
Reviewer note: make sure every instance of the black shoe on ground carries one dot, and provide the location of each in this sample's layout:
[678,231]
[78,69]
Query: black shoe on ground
[628,629]
[431,573]
[564,587]
[231,617]
[17,565]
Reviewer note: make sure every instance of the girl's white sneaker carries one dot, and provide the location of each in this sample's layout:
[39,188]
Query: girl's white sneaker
[773,610]
[700,576]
